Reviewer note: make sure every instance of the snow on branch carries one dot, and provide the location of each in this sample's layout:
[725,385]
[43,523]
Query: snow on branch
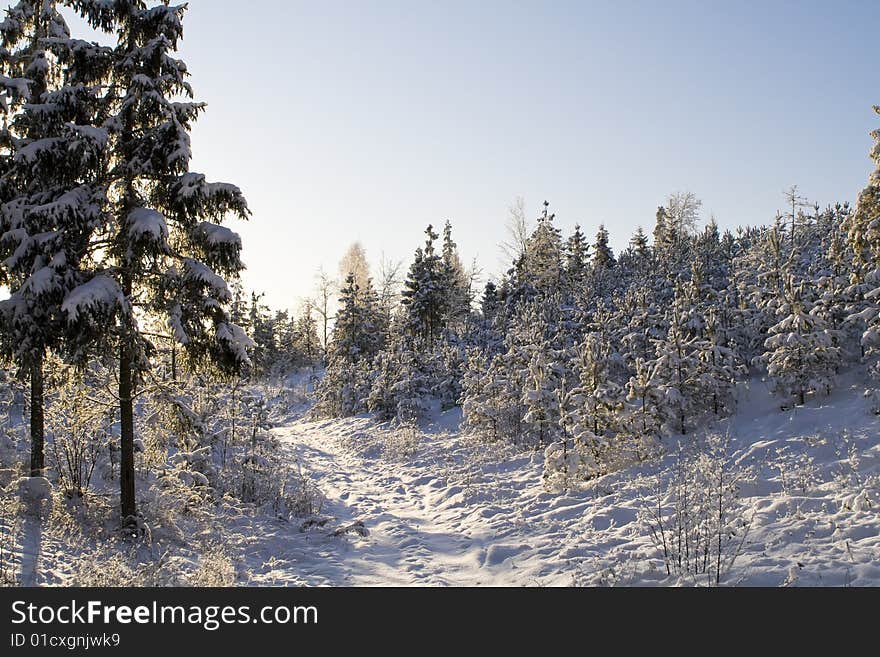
[101,295]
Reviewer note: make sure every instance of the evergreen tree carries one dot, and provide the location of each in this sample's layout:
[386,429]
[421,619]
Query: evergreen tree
[594,405]
[356,341]
[718,371]
[863,236]
[663,238]
[455,282]
[639,244]
[158,251]
[677,365]
[603,256]
[577,257]
[50,187]
[543,257]
[644,415]
[801,356]
[490,304]
[308,342]
[425,294]
[539,397]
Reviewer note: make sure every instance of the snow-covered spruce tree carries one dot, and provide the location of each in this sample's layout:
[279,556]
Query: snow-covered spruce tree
[637,257]
[800,353]
[709,256]
[400,379]
[456,283]
[486,333]
[677,365]
[863,236]
[604,263]
[838,297]
[425,294]
[381,400]
[718,369]
[644,325]
[50,188]
[543,256]
[449,359]
[663,237]
[478,415]
[761,275]
[594,406]
[576,258]
[357,338]
[494,409]
[307,342]
[603,256]
[160,251]
[540,398]
[412,388]
[643,416]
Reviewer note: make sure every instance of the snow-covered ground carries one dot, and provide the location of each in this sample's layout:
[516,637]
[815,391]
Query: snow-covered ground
[434,507]
[439,508]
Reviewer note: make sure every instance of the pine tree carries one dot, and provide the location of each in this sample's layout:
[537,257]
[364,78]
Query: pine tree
[800,354]
[639,244]
[543,256]
[262,333]
[718,370]
[539,397]
[457,304]
[450,360]
[477,413]
[308,342]
[644,415]
[357,339]
[158,251]
[490,304]
[50,187]
[603,256]
[863,237]
[663,238]
[577,257]
[677,365]
[594,405]
[425,293]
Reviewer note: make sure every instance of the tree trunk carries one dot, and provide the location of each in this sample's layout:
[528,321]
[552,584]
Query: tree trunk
[173,361]
[126,422]
[37,421]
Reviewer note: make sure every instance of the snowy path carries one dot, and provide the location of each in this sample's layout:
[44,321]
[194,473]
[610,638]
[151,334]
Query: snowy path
[409,541]
[457,513]
[437,518]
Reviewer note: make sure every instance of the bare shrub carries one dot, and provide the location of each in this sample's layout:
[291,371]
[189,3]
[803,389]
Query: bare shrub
[697,520]
[402,442]
[215,568]
[10,526]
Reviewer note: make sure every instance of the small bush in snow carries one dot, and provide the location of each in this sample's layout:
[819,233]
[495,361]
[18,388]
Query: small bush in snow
[108,566]
[215,569]
[798,472]
[81,433]
[859,491]
[10,526]
[566,463]
[696,519]
[402,442]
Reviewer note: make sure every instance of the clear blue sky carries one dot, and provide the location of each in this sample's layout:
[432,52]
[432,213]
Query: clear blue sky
[346,121]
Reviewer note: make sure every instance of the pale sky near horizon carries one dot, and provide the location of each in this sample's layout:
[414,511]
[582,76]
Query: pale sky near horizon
[366,121]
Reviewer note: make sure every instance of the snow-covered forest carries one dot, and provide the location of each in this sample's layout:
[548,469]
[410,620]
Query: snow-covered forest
[702,407]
